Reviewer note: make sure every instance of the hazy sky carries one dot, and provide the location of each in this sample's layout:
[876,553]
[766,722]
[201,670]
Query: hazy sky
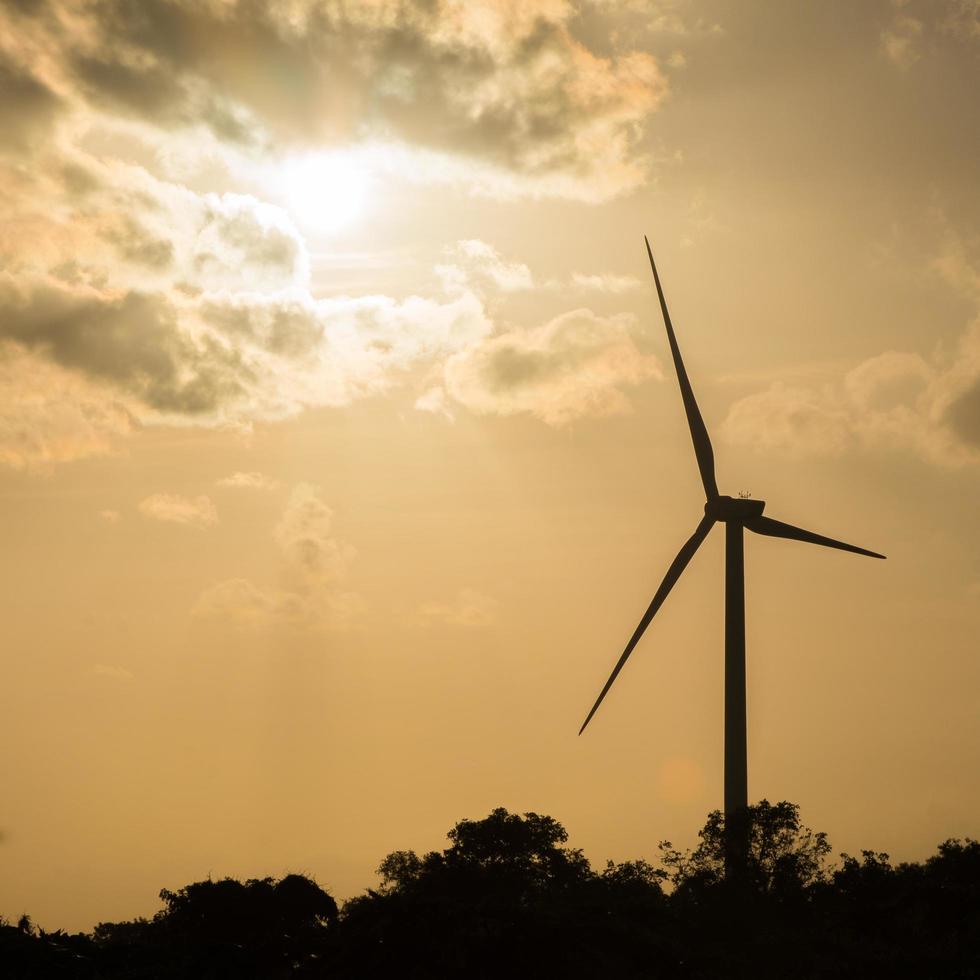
[340,451]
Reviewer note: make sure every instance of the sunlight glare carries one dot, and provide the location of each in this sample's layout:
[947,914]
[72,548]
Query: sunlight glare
[326,191]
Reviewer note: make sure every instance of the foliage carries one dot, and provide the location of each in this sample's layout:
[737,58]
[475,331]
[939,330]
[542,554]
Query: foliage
[784,859]
[508,897]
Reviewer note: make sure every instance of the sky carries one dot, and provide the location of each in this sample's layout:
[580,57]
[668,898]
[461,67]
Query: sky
[341,452]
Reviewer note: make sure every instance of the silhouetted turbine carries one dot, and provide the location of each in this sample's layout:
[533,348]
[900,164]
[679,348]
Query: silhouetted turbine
[736,513]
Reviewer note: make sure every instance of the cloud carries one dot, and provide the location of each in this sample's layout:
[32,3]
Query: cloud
[110,516]
[506,85]
[217,355]
[605,282]
[468,608]
[216,340]
[962,19]
[303,536]
[135,244]
[28,107]
[915,26]
[477,265]
[166,306]
[571,366]
[475,260]
[241,239]
[133,340]
[895,401]
[248,481]
[241,602]
[314,563]
[901,40]
[435,401]
[174,509]
[49,415]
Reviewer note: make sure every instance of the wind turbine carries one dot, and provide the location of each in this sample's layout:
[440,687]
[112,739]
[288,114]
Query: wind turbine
[735,513]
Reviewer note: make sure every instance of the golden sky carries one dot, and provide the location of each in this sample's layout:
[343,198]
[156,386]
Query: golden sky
[340,450]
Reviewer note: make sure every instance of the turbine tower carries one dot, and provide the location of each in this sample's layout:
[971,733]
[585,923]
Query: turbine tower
[736,514]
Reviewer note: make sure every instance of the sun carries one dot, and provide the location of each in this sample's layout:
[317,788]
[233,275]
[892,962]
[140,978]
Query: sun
[325,191]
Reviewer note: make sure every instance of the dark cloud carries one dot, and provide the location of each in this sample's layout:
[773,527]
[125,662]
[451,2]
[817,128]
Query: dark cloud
[963,415]
[289,329]
[78,180]
[136,244]
[267,245]
[133,341]
[511,86]
[146,89]
[28,107]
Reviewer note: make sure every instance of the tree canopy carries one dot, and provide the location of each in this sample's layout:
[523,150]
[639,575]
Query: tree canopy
[508,897]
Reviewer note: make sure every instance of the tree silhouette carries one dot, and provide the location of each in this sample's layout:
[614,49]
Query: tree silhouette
[509,897]
[784,858]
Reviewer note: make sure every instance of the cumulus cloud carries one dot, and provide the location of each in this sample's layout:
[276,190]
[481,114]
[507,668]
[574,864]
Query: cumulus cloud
[897,400]
[314,564]
[475,264]
[157,304]
[242,239]
[915,24]
[303,536]
[173,508]
[574,365]
[198,350]
[504,84]
[133,340]
[205,335]
[133,295]
[475,260]
[248,481]
[468,608]
[605,282]
[901,40]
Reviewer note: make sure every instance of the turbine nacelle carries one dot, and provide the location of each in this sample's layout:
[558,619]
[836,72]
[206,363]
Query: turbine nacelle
[736,509]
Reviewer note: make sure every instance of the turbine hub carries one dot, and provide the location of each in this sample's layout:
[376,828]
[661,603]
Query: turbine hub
[737,509]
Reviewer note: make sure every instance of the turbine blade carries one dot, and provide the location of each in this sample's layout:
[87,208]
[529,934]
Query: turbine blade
[673,574]
[699,434]
[777,529]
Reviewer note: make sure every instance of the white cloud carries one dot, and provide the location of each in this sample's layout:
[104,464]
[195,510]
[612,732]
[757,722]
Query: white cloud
[313,566]
[435,401]
[916,25]
[902,39]
[605,282]
[897,400]
[468,608]
[502,89]
[252,480]
[303,536]
[477,260]
[894,401]
[225,330]
[173,508]
[574,365]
